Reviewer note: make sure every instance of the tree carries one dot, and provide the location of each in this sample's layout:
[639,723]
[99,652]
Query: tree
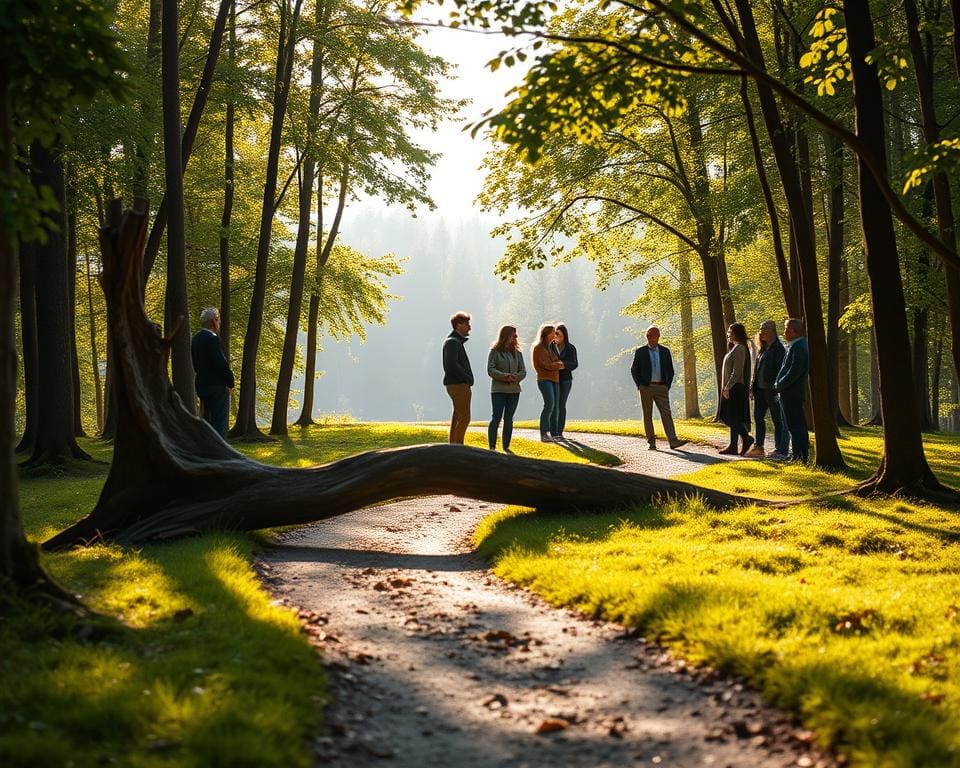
[55,55]
[173,476]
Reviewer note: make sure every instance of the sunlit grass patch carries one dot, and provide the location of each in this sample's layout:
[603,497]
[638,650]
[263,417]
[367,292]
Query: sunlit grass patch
[849,615]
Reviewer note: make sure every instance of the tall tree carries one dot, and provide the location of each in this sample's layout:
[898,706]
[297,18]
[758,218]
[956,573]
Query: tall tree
[246,422]
[177,315]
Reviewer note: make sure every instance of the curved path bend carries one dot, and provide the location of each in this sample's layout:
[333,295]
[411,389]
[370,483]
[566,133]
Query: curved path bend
[434,661]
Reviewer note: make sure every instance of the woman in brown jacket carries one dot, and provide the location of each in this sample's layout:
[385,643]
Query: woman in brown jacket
[548,366]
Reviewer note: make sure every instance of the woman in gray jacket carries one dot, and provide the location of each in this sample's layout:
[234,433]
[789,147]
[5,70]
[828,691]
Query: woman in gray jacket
[506,369]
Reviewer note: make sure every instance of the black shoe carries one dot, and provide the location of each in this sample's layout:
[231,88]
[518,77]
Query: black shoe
[678,444]
[730,450]
[652,447]
[747,442]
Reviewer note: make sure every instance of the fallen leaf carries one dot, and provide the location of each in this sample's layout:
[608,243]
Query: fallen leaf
[495,701]
[551,725]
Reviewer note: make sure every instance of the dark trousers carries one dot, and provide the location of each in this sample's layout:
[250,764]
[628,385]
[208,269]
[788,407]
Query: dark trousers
[797,425]
[551,399]
[504,406]
[565,386]
[763,401]
[215,402]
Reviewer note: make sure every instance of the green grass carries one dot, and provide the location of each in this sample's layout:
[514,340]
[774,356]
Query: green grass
[848,615]
[194,666]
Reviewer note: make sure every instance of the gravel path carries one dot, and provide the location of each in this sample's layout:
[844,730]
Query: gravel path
[434,661]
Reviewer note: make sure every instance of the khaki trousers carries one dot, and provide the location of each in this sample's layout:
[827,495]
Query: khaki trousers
[659,394]
[460,395]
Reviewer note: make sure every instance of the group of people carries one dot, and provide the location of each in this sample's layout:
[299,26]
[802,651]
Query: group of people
[554,360]
[776,382]
[772,375]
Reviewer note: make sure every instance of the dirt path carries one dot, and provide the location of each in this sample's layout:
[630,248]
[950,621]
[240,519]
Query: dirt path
[435,662]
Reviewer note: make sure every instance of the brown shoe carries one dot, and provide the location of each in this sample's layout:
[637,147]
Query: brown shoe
[756,453]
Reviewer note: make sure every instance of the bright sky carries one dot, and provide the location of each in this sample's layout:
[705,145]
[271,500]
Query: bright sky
[456,178]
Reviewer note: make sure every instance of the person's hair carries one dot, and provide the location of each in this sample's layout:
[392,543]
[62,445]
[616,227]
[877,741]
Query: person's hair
[563,329]
[503,339]
[797,324]
[208,315]
[768,325]
[651,328]
[739,333]
[458,317]
[545,330]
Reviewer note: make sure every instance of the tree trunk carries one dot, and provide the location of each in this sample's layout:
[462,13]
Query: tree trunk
[854,380]
[824,417]
[246,423]
[935,382]
[954,420]
[18,560]
[28,333]
[834,270]
[903,467]
[783,270]
[74,357]
[94,357]
[190,130]
[690,398]
[228,192]
[310,359]
[56,442]
[924,72]
[177,316]
[281,401]
[173,476]
[846,382]
[876,417]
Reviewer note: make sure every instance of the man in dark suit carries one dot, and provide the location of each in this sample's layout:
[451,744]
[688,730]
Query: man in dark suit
[214,379]
[652,372]
[791,385]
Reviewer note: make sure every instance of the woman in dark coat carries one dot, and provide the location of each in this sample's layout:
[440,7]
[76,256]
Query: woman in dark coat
[567,353]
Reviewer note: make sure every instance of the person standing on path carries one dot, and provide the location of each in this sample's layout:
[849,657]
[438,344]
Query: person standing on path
[213,379]
[506,370]
[548,366]
[769,362]
[791,385]
[567,354]
[457,375]
[735,402]
[652,372]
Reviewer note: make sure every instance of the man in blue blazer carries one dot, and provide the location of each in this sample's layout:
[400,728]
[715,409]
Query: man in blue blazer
[652,372]
[213,377]
[791,385]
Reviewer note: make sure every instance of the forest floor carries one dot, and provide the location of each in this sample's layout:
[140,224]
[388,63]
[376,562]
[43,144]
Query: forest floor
[433,660]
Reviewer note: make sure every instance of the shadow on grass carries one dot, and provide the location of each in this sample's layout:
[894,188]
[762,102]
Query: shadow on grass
[215,677]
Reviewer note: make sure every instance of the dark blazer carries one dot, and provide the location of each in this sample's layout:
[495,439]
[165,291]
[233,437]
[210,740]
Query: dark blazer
[569,359]
[456,364]
[791,382]
[769,363]
[641,368]
[209,363]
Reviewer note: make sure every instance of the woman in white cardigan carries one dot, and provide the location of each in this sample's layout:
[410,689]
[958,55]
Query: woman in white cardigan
[506,370]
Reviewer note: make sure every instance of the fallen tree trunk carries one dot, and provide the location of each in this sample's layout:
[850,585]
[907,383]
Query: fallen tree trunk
[172,475]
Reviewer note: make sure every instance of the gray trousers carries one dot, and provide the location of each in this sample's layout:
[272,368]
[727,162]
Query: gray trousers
[659,394]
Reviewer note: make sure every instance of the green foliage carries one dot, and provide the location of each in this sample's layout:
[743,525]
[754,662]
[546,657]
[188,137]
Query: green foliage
[845,614]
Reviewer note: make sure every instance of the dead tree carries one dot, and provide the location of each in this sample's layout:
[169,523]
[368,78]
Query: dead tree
[172,475]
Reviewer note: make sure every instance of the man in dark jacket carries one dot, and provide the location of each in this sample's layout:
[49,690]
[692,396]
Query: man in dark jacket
[769,362]
[214,379]
[791,385]
[457,376]
[652,372]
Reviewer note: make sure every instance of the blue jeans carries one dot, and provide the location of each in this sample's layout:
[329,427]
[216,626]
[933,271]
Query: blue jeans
[797,424]
[565,386]
[504,406]
[763,401]
[550,413]
[216,407]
